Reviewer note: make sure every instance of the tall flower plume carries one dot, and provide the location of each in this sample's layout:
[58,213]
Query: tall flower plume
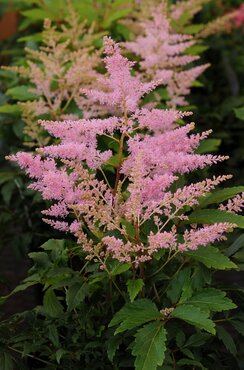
[110,179]
[162,53]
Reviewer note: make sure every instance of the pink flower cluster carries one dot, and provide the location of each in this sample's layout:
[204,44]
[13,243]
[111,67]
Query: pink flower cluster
[110,179]
[239,16]
[234,205]
[162,56]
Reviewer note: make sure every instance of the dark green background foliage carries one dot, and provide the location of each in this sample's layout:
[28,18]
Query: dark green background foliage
[71,327]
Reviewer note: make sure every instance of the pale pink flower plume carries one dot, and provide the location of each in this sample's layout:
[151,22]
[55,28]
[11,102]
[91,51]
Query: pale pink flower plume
[234,205]
[162,56]
[205,235]
[239,16]
[119,88]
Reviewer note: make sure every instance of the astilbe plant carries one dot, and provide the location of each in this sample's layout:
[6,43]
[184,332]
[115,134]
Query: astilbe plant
[55,73]
[113,183]
[146,166]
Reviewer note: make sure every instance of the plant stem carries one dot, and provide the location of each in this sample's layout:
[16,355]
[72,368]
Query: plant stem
[111,295]
[121,146]
[223,320]
[156,293]
[172,277]
[116,286]
[31,356]
[105,178]
[166,262]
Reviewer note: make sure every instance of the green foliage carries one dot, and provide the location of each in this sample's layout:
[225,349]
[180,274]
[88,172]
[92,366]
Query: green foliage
[51,304]
[239,112]
[135,314]
[194,316]
[211,216]
[21,93]
[220,196]
[180,286]
[227,339]
[10,109]
[209,145]
[75,295]
[234,247]
[149,346]
[103,13]
[211,257]
[6,361]
[211,299]
[134,287]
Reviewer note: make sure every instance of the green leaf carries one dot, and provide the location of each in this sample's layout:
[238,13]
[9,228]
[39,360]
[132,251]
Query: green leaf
[233,248]
[75,295]
[209,145]
[212,258]
[183,20]
[197,340]
[238,325]
[10,109]
[36,37]
[194,316]
[187,353]
[113,344]
[6,176]
[180,286]
[35,14]
[211,299]
[57,248]
[193,28]
[180,338]
[59,354]
[23,286]
[196,49]
[53,244]
[201,277]
[220,196]
[86,11]
[6,362]
[53,335]
[113,160]
[130,229]
[21,93]
[120,268]
[115,16]
[149,346]
[212,216]
[134,314]
[134,287]
[40,259]
[239,112]
[7,191]
[228,341]
[51,304]
[194,363]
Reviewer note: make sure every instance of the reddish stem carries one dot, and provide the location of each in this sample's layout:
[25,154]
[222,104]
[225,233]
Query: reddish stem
[121,146]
